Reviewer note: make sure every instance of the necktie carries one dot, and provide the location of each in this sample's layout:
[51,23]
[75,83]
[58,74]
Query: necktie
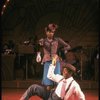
[63,88]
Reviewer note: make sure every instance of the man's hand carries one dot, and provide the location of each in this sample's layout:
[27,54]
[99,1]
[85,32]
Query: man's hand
[54,60]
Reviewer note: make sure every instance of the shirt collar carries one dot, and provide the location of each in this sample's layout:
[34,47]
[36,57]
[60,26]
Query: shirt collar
[69,79]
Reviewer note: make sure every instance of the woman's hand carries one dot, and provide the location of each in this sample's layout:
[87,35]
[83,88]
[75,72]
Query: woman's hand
[38,58]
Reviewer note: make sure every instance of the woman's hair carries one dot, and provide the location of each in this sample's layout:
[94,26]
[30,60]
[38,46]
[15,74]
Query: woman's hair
[51,27]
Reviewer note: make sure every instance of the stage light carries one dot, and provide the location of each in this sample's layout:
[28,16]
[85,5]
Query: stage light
[4,7]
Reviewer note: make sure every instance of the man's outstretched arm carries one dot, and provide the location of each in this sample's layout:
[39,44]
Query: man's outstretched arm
[51,75]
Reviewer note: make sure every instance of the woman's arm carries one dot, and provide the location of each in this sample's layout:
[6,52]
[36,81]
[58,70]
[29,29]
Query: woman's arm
[64,44]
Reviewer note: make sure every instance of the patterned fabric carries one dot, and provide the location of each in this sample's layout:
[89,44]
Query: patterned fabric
[51,48]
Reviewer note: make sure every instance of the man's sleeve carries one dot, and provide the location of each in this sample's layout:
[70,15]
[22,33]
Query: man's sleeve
[52,76]
[79,93]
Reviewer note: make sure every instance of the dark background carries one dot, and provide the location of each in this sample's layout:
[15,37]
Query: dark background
[77,21]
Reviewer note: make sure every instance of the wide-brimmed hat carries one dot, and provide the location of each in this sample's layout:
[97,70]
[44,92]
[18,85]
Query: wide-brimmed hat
[51,27]
[70,67]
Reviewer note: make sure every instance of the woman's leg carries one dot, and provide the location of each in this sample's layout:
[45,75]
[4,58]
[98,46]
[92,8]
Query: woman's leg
[58,68]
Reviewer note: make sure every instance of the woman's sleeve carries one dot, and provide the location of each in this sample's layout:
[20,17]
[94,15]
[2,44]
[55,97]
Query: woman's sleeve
[64,44]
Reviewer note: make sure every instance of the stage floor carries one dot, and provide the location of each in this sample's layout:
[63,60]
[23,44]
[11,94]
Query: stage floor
[15,94]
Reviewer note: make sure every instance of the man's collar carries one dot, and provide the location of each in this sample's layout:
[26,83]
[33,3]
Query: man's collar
[70,78]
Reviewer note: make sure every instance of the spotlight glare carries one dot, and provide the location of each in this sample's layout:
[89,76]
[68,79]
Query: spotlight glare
[4,6]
